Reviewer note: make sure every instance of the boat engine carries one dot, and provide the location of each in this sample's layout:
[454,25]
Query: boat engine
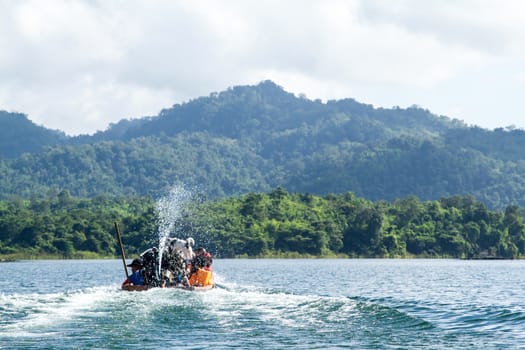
[173,267]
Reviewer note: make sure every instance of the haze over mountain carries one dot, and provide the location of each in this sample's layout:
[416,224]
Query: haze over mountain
[255,138]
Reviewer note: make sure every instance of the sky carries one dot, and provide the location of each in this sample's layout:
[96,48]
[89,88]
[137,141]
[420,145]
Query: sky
[77,66]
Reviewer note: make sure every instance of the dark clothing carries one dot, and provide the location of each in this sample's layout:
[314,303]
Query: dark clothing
[202,261]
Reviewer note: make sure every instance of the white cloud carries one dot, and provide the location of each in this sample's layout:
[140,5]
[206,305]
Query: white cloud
[79,65]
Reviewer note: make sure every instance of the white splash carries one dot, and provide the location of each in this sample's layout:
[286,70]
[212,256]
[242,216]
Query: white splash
[42,312]
[169,210]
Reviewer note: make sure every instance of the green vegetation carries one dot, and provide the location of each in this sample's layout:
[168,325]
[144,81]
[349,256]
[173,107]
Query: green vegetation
[68,227]
[381,182]
[274,224]
[256,138]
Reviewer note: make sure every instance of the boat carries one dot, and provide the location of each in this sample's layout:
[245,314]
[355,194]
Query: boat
[171,267]
[199,281]
[132,288]
[168,266]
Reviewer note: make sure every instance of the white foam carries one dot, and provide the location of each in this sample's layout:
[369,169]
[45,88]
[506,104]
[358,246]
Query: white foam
[32,314]
[229,304]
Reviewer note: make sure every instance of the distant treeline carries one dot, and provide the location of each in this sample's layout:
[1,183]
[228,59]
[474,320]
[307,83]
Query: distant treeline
[274,224]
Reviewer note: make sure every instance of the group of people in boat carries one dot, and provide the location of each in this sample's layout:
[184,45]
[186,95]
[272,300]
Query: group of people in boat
[180,266]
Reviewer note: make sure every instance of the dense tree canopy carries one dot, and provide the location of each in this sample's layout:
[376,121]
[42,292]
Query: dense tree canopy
[255,138]
[276,223]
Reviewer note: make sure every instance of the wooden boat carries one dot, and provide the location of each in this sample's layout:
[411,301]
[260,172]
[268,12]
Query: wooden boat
[201,280]
[169,269]
[132,288]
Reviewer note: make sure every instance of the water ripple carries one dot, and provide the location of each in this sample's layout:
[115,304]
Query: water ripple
[357,312]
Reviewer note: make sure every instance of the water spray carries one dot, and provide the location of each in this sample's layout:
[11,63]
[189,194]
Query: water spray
[169,210]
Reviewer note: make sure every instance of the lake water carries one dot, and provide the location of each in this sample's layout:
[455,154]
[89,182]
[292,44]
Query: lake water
[268,304]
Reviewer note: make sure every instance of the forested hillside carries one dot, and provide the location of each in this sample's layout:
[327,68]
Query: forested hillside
[19,135]
[276,223]
[255,138]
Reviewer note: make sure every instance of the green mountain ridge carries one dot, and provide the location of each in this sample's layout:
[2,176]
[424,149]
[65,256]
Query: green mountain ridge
[255,138]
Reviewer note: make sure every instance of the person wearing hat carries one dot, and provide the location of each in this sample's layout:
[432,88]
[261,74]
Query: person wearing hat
[136,278]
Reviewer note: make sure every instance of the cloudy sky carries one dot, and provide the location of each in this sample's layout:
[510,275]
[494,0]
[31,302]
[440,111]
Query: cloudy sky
[78,66]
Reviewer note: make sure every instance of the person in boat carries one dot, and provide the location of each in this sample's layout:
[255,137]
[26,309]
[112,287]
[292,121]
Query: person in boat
[201,271]
[202,260]
[136,278]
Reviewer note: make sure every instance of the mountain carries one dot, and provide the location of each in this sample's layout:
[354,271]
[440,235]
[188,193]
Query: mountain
[256,138]
[257,112]
[19,135]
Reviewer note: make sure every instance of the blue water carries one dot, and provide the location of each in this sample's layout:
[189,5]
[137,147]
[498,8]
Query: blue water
[268,304]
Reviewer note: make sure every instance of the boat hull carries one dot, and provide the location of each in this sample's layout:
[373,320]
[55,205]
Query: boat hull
[132,288]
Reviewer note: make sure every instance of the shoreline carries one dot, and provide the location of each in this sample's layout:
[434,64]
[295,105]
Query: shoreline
[23,257]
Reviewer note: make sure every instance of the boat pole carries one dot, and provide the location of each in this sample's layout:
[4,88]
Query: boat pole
[121,249]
